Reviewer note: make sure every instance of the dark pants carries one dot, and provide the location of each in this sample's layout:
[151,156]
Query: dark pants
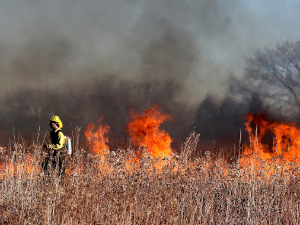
[56,160]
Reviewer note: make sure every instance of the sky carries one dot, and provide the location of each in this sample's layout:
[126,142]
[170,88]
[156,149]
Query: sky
[172,50]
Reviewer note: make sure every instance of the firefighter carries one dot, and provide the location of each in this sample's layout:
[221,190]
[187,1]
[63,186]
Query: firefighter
[57,148]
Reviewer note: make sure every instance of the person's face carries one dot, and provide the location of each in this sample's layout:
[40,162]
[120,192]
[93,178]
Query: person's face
[53,125]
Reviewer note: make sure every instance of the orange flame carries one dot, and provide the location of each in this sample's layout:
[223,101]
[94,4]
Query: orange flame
[24,167]
[97,137]
[144,131]
[282,149]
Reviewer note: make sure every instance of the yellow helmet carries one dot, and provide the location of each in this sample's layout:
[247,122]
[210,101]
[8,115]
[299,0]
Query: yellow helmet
[56,119]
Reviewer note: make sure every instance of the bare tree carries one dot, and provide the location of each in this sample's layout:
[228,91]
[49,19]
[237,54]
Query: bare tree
[274,75]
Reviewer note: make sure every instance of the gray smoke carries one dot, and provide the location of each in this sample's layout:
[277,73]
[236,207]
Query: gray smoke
[86,59]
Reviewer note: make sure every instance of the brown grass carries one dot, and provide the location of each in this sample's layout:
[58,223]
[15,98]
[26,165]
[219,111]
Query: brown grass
[202,191]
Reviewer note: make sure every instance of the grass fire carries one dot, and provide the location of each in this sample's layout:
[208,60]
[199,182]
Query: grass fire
[151,183]
[159,112]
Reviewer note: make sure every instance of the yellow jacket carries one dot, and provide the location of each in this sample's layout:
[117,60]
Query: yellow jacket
[57,139]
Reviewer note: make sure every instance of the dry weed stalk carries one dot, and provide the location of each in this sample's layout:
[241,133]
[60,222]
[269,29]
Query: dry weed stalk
[189,146]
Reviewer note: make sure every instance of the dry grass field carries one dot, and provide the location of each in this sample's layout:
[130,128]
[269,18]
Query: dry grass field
[173,190]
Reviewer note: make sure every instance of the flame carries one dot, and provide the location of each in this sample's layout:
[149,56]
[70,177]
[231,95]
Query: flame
[262,125]
[25,167]
[282,150]
[97,137]
[144,130]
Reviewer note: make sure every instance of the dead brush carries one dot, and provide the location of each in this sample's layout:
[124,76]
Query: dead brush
[206,192]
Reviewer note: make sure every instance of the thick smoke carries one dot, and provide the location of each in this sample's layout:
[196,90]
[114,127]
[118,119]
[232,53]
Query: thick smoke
[86,59]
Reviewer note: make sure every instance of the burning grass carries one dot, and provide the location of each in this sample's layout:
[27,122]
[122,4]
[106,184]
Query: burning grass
[205,190]
[147,185]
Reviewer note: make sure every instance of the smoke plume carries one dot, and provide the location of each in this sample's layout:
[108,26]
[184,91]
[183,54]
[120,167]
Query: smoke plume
[86,59]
